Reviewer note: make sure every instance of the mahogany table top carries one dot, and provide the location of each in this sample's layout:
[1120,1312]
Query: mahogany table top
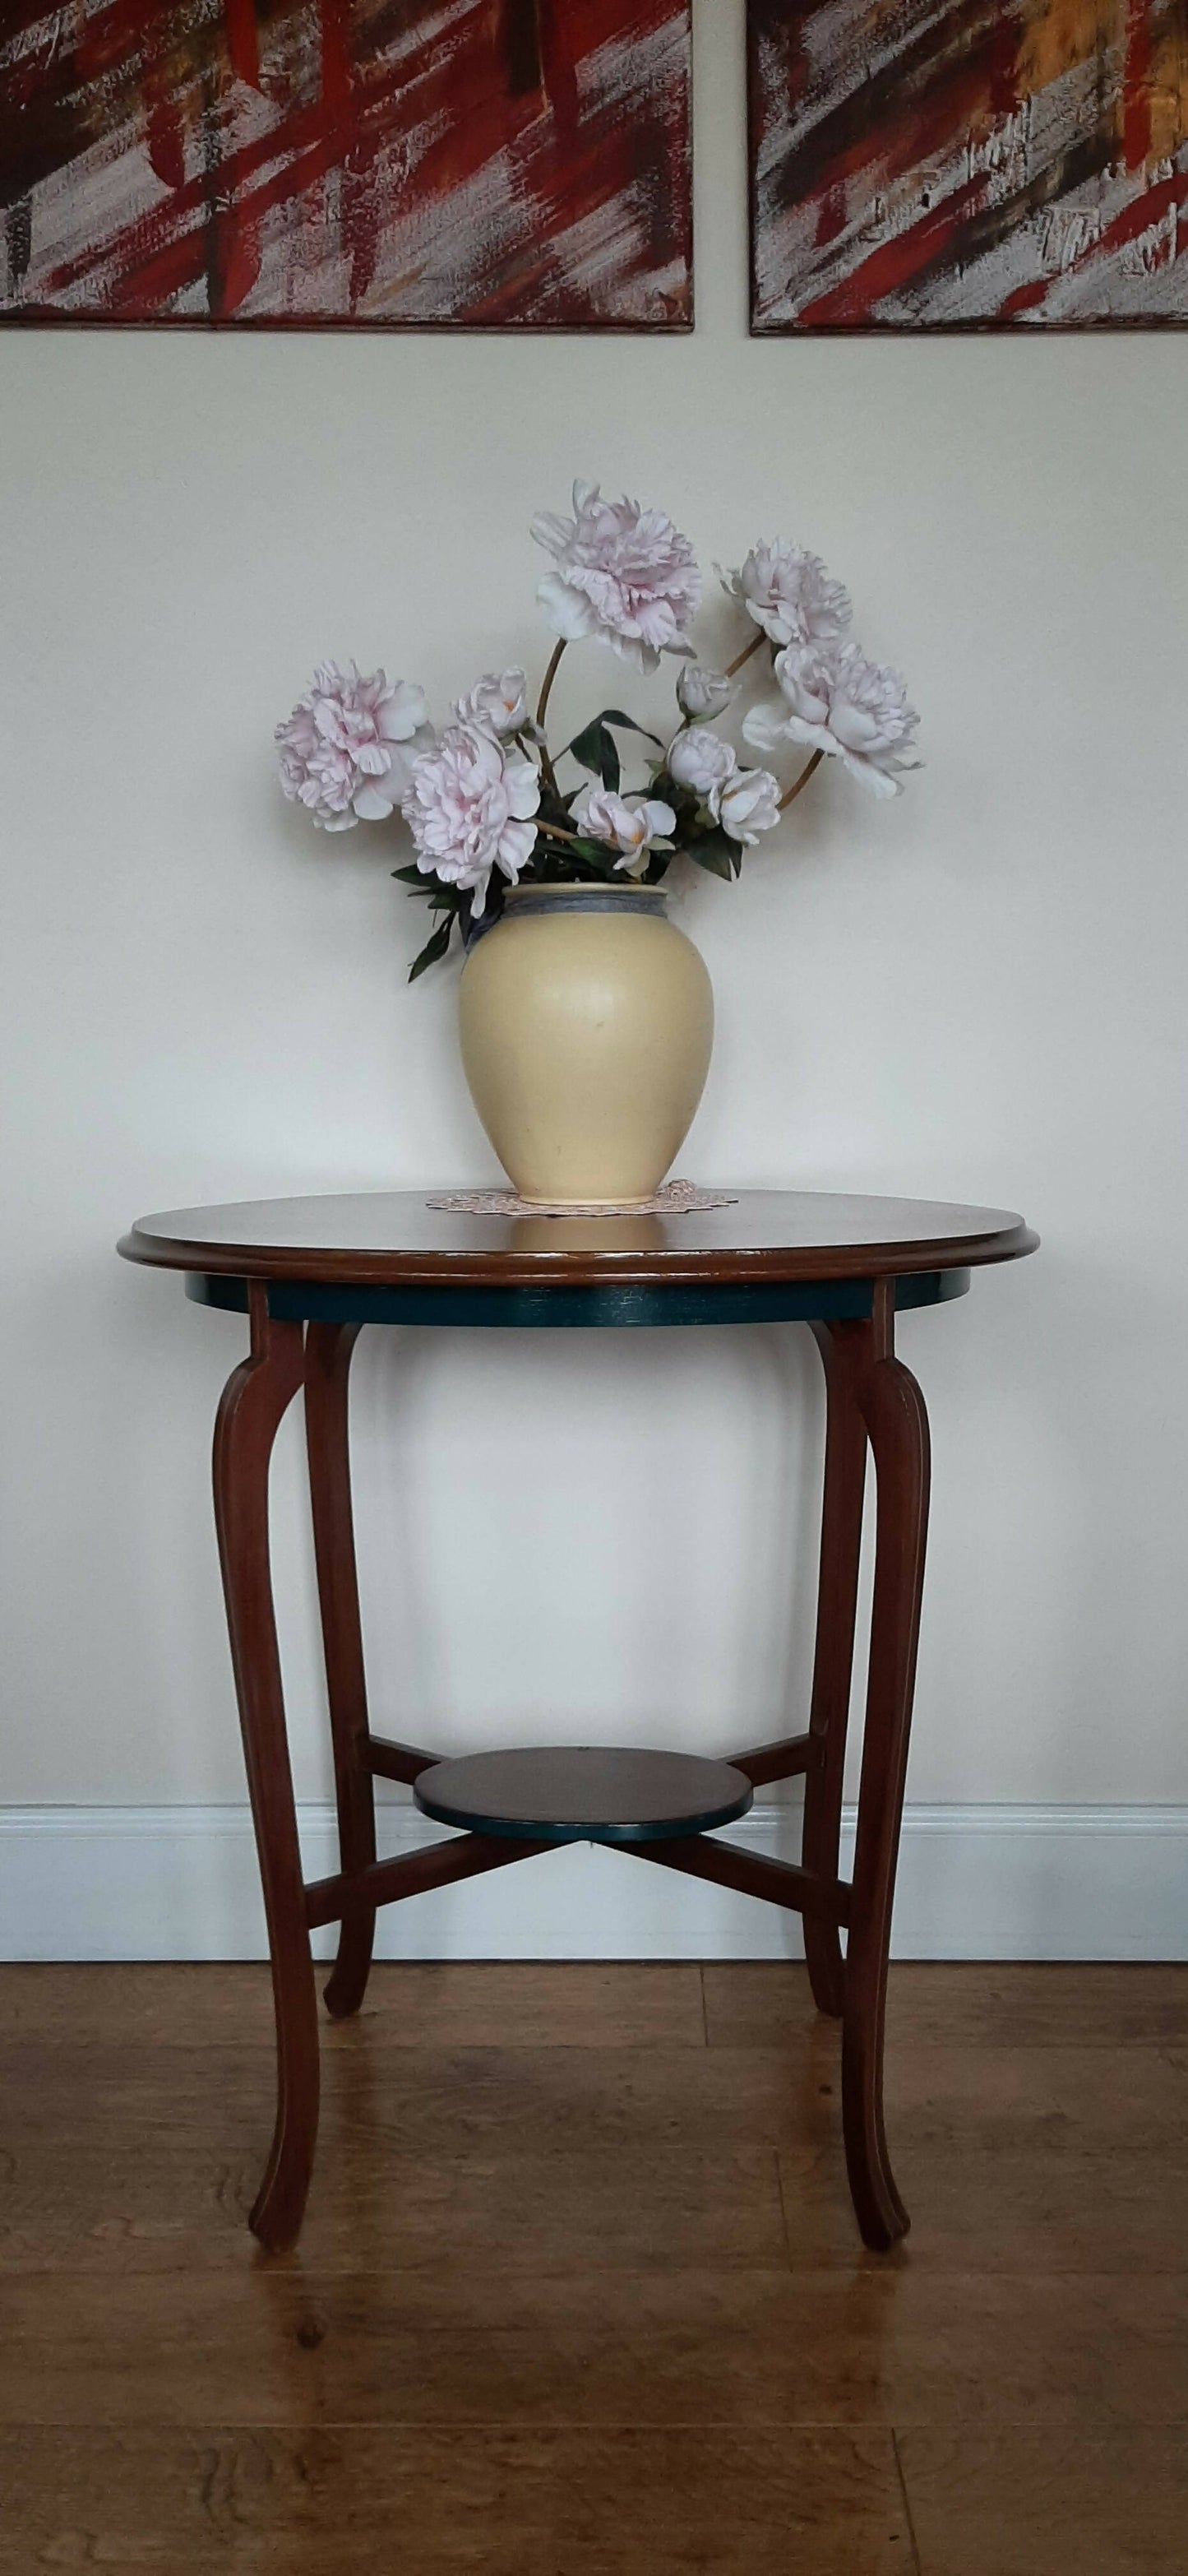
[394,1238]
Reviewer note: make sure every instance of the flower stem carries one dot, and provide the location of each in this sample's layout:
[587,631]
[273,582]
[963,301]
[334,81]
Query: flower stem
[554,832]
[543,709]
[756,644]
[549,677]
[802,781]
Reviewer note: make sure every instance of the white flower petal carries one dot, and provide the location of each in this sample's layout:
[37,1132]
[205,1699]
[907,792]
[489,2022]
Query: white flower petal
[404,713]
[523,787]
[570,613]
[642,657]
[765,725]
[373,803]
[818,737]
[870,775]
[551,531]
[517,842]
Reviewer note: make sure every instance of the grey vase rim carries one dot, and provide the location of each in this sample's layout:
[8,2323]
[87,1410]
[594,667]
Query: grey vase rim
[593,897]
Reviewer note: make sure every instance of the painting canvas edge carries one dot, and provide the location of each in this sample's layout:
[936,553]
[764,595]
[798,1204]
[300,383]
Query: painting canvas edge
[673,292]
[767,324]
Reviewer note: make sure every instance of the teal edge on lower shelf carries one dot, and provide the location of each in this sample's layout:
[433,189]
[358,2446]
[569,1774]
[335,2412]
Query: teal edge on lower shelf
[609,1303]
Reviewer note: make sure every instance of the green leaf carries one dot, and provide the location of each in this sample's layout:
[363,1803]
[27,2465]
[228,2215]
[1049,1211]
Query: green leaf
[685,802]
[410,876]
[710,855]
[597,854]
[613,715]
[433,949]
[595,748]
[719,841]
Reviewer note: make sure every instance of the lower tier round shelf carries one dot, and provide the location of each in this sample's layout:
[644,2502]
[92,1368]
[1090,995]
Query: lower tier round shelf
[584,1793]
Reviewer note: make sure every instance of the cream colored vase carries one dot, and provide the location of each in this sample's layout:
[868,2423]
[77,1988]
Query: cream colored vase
[586,1021]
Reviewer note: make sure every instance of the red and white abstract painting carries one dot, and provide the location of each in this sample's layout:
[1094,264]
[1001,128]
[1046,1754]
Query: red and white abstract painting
[968,164]
[492,163]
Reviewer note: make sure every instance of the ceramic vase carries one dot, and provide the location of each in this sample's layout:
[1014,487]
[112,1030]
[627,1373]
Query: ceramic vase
[586,1025]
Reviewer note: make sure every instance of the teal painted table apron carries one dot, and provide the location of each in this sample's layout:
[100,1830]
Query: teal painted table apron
[309,1274]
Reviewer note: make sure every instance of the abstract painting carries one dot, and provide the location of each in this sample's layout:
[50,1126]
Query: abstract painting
[490,163]
[951,165]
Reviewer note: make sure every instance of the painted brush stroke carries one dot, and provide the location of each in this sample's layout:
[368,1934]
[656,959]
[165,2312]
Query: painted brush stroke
[491,163]
[985,164]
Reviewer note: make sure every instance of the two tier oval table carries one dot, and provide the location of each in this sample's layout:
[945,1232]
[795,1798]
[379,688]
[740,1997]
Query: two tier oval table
[309,1273]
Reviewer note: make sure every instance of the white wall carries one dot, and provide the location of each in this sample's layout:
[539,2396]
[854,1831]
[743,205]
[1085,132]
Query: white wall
[976,993]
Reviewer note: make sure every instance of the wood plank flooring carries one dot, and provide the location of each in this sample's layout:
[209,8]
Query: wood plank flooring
[580,2292]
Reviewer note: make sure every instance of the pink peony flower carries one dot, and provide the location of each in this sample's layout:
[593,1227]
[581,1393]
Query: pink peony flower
[346,752]
[834,699]
[789,594]
[631,824]
[622,573]
[498,701]
[701,692]
[701,760]
[748,804]
[469,808]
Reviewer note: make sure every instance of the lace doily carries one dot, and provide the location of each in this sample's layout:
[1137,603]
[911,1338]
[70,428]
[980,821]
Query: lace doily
[677,1198]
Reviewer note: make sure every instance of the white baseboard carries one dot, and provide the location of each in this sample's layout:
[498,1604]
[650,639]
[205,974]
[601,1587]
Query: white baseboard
[974,1883]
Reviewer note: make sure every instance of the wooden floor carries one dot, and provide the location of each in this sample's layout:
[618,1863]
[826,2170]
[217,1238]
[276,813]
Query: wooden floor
[580,2292]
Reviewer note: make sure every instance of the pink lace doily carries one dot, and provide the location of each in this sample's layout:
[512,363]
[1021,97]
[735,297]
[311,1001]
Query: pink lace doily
[677,1198]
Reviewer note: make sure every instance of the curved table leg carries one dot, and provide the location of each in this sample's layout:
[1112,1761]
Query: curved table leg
[255,1398]
[328,1349]
[844,1351]
[897,1423]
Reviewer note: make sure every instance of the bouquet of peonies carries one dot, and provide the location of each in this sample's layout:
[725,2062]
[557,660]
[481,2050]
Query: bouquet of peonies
[483,799]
